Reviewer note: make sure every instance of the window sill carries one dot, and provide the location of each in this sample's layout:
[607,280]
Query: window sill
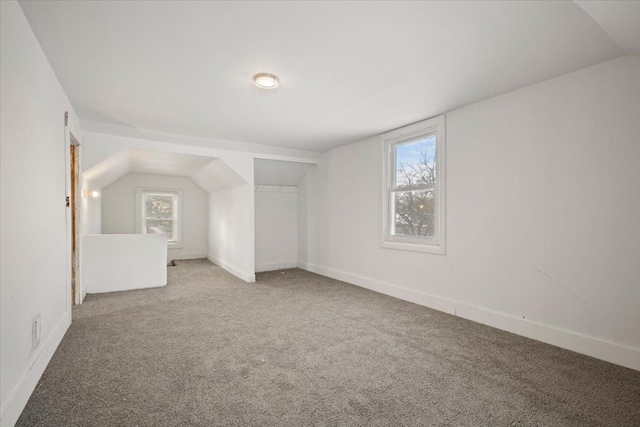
[174,245]
[414,247]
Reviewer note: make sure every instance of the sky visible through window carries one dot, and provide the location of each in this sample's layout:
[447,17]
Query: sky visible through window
[415,152]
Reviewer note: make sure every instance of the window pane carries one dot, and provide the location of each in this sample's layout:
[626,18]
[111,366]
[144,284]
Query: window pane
[160,226]
[414,213]
[416,163]
[157,206]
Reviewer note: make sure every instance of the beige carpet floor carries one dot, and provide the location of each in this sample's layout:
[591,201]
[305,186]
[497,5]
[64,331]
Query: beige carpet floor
[298,349]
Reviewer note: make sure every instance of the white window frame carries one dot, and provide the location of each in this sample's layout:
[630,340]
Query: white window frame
[177,219]
[414,132]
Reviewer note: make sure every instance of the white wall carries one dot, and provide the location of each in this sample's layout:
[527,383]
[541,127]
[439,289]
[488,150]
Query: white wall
[231,231]
[120,262]
[34,266]
[119,210]
[91,208]
[543,208]
[276,232]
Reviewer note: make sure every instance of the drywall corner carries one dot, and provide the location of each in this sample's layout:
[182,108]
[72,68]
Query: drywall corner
[242,275]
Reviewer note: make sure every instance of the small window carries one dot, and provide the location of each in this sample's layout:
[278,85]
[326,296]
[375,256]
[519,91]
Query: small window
[413,211]
[159,211]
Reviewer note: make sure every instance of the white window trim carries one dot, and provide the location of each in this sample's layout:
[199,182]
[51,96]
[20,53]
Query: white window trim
[140,192]
[436,245]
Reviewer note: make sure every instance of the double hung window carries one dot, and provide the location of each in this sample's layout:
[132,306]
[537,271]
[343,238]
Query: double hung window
[414,187]
[159,211]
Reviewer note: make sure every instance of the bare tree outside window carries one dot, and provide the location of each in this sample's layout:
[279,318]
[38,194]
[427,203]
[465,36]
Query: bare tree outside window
[414,189]
[159,214]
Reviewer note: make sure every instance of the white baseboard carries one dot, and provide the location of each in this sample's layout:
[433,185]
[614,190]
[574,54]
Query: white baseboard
[190,255]
[19,397]
[276,266]
[109,291]
[590,346]
[247,277]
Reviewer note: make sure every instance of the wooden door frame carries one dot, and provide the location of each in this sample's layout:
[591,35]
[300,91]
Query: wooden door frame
[72,151]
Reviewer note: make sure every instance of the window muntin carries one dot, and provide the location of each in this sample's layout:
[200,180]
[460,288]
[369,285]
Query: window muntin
[413,199]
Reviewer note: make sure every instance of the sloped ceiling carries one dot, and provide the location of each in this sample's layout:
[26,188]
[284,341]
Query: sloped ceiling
[209,173]
[109,171]
[161,163]
[619,19]
[217,176]
[348,70]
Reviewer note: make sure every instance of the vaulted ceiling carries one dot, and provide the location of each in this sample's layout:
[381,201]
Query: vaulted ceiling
[348,70]
[210,173]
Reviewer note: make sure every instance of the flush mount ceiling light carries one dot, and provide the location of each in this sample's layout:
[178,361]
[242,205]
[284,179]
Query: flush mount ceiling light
[266,81]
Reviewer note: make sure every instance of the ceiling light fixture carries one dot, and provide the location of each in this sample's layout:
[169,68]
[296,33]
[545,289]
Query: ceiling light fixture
[266,81]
